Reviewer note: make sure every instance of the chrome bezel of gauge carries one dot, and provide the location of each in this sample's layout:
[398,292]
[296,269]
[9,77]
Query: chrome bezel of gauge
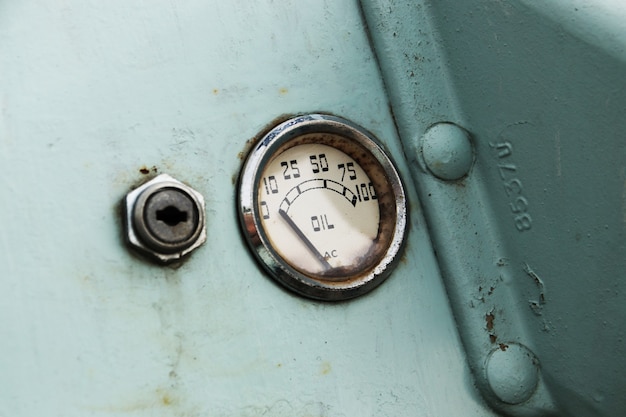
[320,128]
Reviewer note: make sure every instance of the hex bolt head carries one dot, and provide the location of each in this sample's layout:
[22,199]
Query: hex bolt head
[165,218]
[447,151]
[512,373]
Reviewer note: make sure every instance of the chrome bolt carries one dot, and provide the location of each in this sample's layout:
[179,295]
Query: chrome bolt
[165,218]
[447,151]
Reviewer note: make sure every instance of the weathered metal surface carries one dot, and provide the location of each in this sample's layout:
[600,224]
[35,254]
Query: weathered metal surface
[532,242]
[98,97]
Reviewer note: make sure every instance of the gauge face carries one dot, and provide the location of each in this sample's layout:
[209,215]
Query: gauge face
[323,207]
[320,211]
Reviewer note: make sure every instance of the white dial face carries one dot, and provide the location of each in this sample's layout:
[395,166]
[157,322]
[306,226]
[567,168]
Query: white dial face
[320,210]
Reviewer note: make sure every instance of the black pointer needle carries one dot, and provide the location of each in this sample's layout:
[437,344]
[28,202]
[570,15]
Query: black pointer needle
[305,239]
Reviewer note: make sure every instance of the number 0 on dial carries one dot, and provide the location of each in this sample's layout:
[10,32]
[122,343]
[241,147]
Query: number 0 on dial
[323,207]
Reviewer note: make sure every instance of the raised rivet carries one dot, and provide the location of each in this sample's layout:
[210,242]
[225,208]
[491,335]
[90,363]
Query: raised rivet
[447,151]
[512,373]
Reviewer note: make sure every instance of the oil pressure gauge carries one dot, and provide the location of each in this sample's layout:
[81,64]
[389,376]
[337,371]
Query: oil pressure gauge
[322,207]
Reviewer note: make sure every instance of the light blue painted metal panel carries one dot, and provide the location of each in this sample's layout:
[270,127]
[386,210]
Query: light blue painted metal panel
[95,93]
[532,240]
[98,98]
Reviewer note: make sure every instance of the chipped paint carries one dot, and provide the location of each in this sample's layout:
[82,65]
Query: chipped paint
[537,304]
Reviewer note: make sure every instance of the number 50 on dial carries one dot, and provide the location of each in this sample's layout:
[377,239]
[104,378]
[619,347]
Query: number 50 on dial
[322,207]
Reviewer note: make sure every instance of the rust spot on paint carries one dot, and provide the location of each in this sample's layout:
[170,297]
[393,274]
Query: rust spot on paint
[271,125]
[493,338]
[145,170]
[489,318]
[216,91]
[503,346]
[325,368]
[159,398]
[283,91]
[242,155]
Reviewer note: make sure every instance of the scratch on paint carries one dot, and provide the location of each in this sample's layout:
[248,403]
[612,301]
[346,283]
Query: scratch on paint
[536,305]
[624,195]
[557,145]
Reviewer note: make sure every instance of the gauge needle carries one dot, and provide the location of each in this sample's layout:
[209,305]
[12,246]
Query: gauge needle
[305,239]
